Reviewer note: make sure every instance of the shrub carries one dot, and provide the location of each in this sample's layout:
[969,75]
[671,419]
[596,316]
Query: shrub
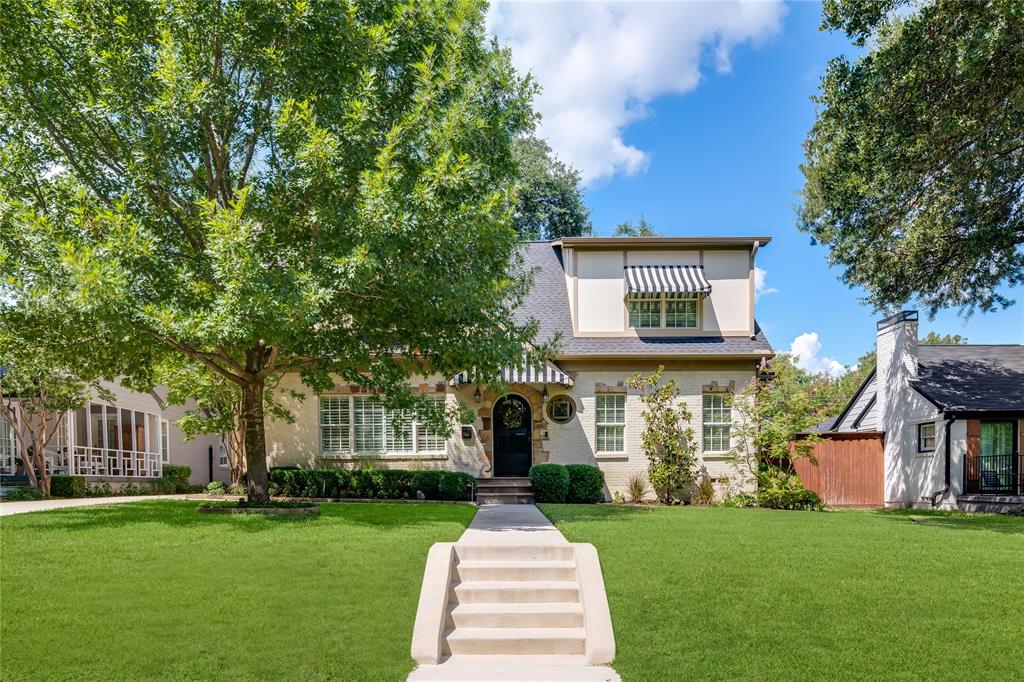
[394,484]
[131,489]
[215,488]
[455,485]
[295,482]
[426,482]
[550,482]
[704,491]
[101,489]
[24,494]
[778,489]
[586,484]
[618,497]
[236,489]
[164,486]
[68,486]
[179,475]
[636,488]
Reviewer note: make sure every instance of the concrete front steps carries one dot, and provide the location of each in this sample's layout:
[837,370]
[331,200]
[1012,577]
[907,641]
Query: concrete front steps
[514,600]
[504,491]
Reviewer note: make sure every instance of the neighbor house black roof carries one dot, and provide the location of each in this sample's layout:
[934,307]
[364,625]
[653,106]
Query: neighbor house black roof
[548,303]
[965,378]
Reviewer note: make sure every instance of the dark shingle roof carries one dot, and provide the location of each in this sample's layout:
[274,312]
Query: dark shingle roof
[972,378]
[548,303]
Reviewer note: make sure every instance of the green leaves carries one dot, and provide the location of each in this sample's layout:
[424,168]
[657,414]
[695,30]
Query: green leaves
[915,166]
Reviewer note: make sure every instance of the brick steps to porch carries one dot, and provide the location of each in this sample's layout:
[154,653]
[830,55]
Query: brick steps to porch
[504,491]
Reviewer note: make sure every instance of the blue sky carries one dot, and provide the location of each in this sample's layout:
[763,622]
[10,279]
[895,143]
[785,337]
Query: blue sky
[707,125]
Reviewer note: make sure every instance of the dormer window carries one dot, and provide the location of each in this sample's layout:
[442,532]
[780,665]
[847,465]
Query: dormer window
[665,296]
[663,312]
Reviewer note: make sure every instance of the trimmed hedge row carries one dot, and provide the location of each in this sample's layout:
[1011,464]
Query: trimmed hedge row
[178,476]
[380,484]
[573,483]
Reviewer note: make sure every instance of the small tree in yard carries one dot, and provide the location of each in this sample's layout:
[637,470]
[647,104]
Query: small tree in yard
[668,440]
[264,188]
[35,396]
[769,413]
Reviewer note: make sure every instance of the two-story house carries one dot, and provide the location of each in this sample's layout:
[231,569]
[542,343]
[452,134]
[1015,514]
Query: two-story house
[622,305]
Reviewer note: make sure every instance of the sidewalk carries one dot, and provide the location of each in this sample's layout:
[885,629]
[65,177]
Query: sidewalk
[10,508]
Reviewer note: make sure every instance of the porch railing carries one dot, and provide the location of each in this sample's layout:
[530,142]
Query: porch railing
[109,462]
[994,475]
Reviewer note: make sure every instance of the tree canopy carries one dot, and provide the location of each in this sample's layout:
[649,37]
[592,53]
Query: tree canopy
[549,201]
[261,188]
[915,165]
[641,228]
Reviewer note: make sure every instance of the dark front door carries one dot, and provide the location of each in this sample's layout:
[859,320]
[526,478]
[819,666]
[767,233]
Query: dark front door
[513,439]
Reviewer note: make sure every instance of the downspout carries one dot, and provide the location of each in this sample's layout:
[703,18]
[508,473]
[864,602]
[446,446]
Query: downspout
[945,490]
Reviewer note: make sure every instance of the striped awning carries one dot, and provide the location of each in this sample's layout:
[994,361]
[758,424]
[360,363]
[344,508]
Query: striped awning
[674,281]
[548,373]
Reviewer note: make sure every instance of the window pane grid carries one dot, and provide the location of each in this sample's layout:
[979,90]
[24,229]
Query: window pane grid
[368,419]
[645,313]
[610,415]
[681,313]
[399,431]
[717,422]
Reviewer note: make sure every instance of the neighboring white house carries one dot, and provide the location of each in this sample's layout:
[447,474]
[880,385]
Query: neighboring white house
[127,440]
[621,305]
[952,419]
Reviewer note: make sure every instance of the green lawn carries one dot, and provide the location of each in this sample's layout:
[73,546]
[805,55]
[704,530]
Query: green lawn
[155,590]
[706,593]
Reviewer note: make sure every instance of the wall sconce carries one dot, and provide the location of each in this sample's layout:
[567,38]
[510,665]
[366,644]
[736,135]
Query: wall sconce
[544,395]
[476,395]
[467,432]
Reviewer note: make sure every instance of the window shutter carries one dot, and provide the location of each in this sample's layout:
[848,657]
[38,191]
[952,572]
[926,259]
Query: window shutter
[973,437]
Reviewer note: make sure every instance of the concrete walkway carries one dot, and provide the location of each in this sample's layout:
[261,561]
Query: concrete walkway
[9,508]
[506,546]
[511,524]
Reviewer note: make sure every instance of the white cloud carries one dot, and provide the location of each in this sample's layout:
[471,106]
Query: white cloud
[601,63]
[804,350]
[760,288]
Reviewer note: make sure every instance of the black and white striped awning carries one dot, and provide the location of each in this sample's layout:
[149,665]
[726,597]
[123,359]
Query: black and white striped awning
[548,373]
[674,281]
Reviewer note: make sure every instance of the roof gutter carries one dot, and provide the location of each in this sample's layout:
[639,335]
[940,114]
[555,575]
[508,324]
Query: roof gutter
[934,497]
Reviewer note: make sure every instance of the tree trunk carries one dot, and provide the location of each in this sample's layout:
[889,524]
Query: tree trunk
[255,440]
[39,462]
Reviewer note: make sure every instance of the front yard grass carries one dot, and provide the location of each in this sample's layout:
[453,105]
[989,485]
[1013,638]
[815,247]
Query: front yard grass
[711,593]
[155,590]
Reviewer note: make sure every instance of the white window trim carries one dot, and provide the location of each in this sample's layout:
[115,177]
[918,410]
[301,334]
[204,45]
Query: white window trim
[598,424]
[706,423]
[350,451]
[935,439]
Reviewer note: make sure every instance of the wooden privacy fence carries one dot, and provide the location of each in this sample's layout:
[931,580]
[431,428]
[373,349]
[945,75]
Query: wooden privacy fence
[849,472]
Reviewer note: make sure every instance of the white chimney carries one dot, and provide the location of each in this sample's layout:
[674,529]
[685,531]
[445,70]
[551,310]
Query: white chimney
[896,346]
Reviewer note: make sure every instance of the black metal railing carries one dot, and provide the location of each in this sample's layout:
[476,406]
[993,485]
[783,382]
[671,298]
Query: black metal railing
[994,475]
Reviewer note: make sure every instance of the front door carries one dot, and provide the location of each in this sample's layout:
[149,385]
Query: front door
[999,460]
[513,438]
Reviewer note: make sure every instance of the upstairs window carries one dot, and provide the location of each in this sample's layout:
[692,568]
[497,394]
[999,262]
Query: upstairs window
[681,312]
[644,312]
[662,312]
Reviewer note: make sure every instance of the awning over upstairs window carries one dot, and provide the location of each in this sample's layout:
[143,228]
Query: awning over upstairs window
[673,281]
[548,373]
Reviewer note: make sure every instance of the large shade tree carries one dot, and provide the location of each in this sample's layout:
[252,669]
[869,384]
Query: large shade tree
[550,201]
[262,187]
[915,165]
